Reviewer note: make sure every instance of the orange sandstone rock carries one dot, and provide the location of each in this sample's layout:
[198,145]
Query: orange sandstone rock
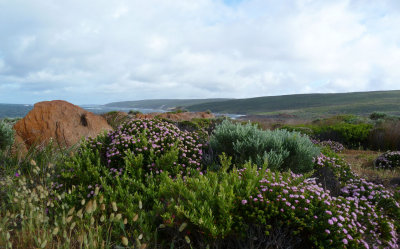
[59,120]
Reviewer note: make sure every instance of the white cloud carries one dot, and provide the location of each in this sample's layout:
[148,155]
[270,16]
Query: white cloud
[102,51]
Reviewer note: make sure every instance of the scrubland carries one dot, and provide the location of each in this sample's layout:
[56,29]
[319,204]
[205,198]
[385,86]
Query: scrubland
[207,184]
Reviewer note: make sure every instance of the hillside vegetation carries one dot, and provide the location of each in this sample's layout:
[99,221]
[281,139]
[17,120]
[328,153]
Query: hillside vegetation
[311,105]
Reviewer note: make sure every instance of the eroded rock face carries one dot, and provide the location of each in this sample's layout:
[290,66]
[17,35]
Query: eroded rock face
[59,120]
[183,116]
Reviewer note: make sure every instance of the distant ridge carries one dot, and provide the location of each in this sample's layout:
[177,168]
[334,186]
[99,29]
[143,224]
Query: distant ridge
[302,105]
[318,104]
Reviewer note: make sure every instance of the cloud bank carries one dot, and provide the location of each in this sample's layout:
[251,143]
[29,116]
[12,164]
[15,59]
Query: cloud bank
[102,51]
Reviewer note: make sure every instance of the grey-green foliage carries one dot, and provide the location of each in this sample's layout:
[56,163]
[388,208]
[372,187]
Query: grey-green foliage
[280,149]
[6,135]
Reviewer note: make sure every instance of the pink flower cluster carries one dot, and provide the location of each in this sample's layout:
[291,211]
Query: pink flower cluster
[388,160]
[341,169]
[153,139]
[337,221]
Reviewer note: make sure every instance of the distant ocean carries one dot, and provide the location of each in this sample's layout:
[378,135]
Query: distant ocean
[17,110]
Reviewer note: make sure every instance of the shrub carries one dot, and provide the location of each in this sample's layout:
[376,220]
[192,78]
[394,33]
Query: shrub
[6,135]
[134,112]
[204,208]
[339,167]
[249,206]
[352,135]
[115,118]
[178,109]
[377,202]
[160,146]
[385,135]
[127,197]
[333,145]
[350,130]
[388,160]
[200,125]
[82,203]
[281,149]
[317,218]
[377,115]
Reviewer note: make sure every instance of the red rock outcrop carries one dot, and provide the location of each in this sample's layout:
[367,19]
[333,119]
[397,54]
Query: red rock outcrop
[183,116]
[59,120]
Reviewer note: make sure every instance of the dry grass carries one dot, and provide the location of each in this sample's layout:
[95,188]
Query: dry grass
[362,163]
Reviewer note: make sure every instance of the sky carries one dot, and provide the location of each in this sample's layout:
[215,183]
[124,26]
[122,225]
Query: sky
[96,52]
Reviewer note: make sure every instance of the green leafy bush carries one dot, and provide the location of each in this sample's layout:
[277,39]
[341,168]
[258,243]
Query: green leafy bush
[6,135]
[280,149]
[352,132]
[352,135]
[205,208]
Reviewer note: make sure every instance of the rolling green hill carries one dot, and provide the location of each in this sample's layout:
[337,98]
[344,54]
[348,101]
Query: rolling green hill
[163,104]
[361,103]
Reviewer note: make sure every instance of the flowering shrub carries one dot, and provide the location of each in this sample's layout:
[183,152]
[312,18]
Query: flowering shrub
[281,149]
[124,166]
[160,146]
[388,160]
[333,145]
[317,218]
[259,205]
[377,208]
[339,167]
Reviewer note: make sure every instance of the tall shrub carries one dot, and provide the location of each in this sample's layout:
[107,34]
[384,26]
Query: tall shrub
[281,149]
[6,135]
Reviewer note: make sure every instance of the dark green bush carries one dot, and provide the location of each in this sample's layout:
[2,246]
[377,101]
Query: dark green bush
[377,115]
[206,205]
[280,149]
[6,135]
[385,135]
[352,135]
[134,112]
